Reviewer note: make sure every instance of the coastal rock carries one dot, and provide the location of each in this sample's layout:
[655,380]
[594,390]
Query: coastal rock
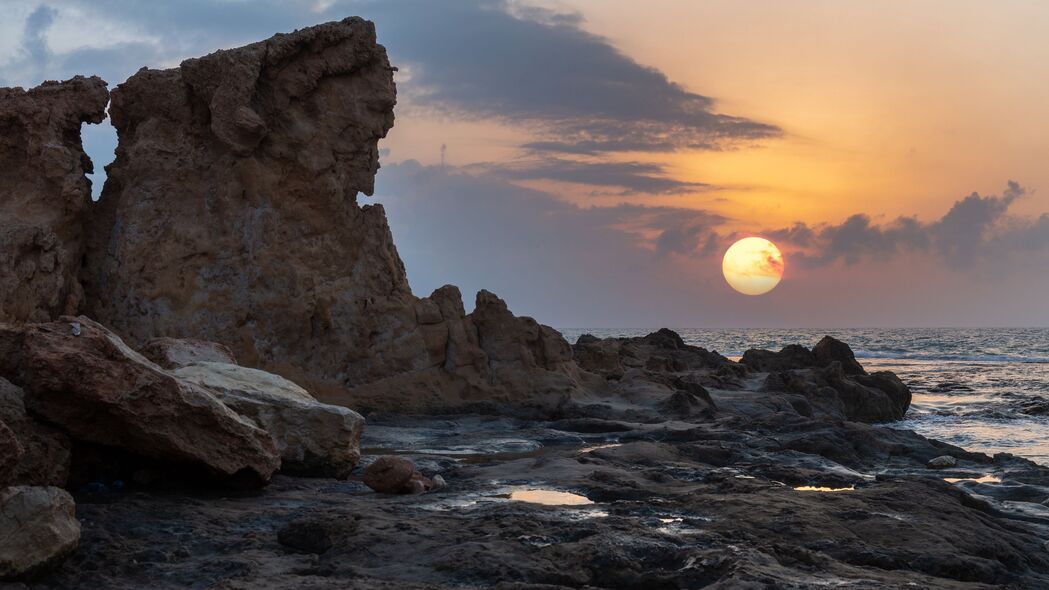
[230,213]
[942,462]
[660,351]
[38,528]
[43,195]
[795,356]
[389,474]
[48,452]
[864,398]
[98,390]
[312,438]
[174,353]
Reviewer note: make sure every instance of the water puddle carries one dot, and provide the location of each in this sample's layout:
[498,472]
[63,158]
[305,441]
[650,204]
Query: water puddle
[983,479]
[823,489]
[550,498]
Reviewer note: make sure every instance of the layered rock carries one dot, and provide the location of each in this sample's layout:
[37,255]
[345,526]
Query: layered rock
[38,528]
[231,215]
[43,195]
[313,438]
[174,353]
[82,378]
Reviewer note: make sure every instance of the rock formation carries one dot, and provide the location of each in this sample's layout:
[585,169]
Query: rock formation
[44,195]
[231,215]
[47,451]
[82,378]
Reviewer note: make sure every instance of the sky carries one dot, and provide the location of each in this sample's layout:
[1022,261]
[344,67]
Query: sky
[598,160]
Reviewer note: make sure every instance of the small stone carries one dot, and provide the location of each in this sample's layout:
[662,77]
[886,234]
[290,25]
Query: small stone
[942,462]
[389,474]
[75,328]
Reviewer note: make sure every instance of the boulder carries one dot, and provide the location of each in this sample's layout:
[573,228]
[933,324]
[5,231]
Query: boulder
[82,378]
[44,194]
[312,438]
[38,528]
[173,353]
[389,474]
[230,213]
[48,452]
[663,351]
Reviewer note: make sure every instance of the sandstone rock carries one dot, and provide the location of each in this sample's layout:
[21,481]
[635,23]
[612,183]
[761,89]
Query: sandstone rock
[98,390]
[390,474]
[38,528]
[48,451]
[173,353]
[312,438]
[43,195]
[942,462]
[231,214]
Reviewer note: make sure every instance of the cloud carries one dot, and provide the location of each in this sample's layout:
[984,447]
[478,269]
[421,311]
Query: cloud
[975,229]
[629,177]
[481,59]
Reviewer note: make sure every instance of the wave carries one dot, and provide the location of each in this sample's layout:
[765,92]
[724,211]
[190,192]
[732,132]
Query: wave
[927,356]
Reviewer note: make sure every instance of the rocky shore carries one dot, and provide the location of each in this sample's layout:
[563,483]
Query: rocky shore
[217,376]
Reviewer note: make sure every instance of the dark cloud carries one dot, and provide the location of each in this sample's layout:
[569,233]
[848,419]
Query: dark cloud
[479,59]
[628,177]
[975,228]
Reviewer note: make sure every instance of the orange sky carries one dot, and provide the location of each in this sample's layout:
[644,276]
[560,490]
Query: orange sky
[891,108]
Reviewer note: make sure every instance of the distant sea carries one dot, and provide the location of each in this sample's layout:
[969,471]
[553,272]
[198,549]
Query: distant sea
[984,389]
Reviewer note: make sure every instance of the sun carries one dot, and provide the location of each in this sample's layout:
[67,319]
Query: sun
[753,266]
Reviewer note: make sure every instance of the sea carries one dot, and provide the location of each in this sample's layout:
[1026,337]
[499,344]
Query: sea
[984,389]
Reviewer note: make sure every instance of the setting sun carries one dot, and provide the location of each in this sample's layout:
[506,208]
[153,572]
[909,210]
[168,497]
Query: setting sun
[753,266]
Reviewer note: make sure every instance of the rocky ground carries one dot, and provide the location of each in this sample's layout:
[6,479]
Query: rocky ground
[607,493]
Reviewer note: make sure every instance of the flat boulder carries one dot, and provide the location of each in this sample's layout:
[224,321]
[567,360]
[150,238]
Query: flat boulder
[38,528]
[313,438]
[83,379]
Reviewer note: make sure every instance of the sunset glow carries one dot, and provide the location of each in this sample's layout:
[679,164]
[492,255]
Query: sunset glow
[753,266]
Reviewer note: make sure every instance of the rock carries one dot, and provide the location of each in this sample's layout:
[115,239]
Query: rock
[792,356]
[865,398]
[942,462]
[252,236]
[829,349]
[11,452]
[38,528]
[173,353]
[389,474]
[660,351]
[308,535]
[43,195]
[312,438]
[48,451]
[98,390]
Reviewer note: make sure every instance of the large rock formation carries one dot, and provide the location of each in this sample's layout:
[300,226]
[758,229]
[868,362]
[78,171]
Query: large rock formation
[231,215]
[47,451]
[82,378]
[43,195]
